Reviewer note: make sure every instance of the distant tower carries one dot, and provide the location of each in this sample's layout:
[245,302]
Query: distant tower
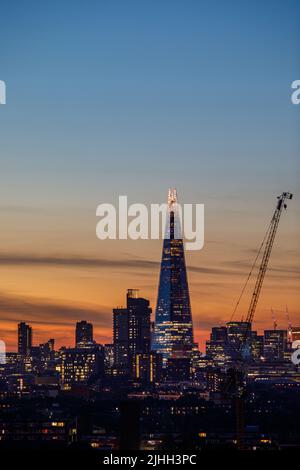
[120,331]
[84,334]
[132,331]
[139,325]
[24,339]
[173,332]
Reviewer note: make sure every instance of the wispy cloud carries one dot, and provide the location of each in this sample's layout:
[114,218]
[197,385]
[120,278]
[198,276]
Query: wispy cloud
[232,268]
[245,266]
[43,311]
[82,261]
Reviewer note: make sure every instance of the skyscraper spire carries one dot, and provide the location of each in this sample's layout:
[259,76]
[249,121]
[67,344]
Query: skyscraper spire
[172,198]
[173,332]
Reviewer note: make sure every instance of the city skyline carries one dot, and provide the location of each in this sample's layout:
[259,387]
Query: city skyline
[157,362]
[103,333]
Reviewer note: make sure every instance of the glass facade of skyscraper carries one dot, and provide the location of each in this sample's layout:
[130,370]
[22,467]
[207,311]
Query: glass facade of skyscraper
[173,333]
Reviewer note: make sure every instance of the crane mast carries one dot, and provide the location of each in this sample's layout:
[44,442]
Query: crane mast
[266,255]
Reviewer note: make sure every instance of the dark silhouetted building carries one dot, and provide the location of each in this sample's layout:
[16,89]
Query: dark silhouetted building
[109,355]
[120,335]
[275,343]
[132,332]
[178,369]
[214,379]
[83,334]
[227,343]
[218,347]
[220,351]
[257,346]
[236,331]
[139,326]
[129,426]
[81,365]
[24,339]
[147,367]
[219,333]
[239,337]
[295,333]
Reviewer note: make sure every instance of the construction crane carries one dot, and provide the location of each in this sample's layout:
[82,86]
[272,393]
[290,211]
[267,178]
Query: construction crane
[281,204]
[274,320]
[236,381]
[290,330]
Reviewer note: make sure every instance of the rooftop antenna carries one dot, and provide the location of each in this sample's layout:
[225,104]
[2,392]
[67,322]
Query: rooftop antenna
[172,198]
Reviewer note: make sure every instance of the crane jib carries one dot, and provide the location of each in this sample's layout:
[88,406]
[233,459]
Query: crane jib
[266,255]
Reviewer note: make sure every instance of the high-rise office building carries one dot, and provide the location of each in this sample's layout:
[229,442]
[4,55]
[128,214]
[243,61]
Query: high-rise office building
[173,318]
[46,353]
[83,334]
[227,343]
[220,351]
[24,339]
[257,346]
[139,325]
[81,365]
[109,355]
[120,336]
[237,331]
[219,333]
[275,343]
[239,337]
[132,331]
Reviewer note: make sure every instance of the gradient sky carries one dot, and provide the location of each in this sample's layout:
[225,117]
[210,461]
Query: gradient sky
[129,97]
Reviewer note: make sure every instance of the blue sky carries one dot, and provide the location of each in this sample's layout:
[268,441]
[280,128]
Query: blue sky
[169,88]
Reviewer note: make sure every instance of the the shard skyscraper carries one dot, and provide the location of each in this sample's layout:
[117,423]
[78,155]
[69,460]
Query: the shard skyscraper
[173,331]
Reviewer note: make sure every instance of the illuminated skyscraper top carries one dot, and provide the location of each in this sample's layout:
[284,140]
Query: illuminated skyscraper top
[173,332]
[172,198]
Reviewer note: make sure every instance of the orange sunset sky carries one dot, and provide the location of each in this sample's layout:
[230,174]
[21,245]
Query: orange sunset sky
[55,271]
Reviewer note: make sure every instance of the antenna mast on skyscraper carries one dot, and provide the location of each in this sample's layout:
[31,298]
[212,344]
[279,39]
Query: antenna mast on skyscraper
[172,198]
